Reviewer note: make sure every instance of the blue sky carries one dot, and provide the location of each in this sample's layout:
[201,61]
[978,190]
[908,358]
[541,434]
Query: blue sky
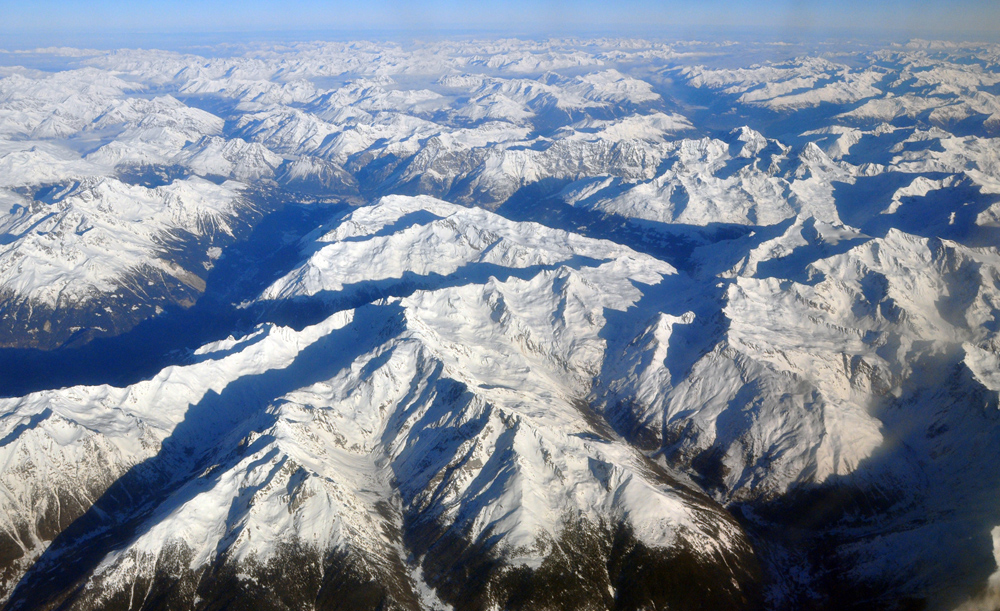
[954,18]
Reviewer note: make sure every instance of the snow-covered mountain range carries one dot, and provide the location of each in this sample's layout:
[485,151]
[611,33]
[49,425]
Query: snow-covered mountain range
[573,324]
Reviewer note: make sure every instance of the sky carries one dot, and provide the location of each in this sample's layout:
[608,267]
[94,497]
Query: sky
[53,21]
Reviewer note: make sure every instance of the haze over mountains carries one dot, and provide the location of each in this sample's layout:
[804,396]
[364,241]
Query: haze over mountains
[502,324]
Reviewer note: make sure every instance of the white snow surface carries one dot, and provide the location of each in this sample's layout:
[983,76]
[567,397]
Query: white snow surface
[465,403]
[828,316]
[100,230]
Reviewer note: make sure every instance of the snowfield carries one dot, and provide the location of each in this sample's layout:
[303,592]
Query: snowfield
[502,324]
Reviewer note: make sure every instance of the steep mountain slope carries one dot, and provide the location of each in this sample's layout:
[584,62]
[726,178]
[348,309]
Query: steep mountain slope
[439,438]
[96,256]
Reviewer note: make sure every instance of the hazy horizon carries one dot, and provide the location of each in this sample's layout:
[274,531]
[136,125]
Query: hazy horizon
[175,23]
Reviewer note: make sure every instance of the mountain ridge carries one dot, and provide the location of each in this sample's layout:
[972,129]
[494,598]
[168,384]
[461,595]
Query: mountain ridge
[500,324]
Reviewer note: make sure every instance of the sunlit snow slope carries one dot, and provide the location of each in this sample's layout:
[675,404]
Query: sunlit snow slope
[501,324]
